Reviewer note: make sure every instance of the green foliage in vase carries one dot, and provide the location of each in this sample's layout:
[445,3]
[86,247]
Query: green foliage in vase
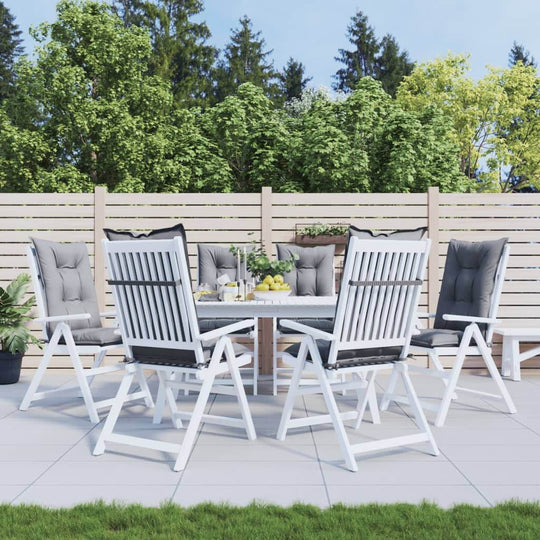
[15,337]
[261,265]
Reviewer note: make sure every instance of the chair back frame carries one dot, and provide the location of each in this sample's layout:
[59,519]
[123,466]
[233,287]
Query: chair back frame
[152,292]
[379,293]
[497,291]
[39,288]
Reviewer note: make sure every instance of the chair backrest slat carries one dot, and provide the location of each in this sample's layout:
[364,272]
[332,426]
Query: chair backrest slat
[152,292]
[379,293]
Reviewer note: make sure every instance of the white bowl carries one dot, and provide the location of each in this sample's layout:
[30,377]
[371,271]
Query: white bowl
[271,295]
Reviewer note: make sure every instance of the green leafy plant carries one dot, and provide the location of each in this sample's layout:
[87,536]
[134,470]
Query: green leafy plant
[14,333]
[260,264]
[323,229]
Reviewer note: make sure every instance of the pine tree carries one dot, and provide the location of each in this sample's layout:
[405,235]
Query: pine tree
[518,53]
[383,60]
[292,80]
[181,53]
[245,60]
[10,48]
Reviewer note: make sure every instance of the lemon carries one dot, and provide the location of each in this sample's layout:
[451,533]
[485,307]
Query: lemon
[268,280]
[278,278]
[284,287]
[262,287]
[275,287]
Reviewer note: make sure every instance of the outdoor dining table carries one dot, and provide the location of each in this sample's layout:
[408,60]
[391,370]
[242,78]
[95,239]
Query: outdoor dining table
[291,307]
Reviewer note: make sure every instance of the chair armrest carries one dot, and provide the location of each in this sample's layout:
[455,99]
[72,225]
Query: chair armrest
[465,318]
[60,318]
[224,330]
[304,329]
[108,314]
[423,315]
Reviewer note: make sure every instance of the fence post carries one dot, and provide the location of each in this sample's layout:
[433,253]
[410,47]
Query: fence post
[100,193]
[266,325]
[433,262]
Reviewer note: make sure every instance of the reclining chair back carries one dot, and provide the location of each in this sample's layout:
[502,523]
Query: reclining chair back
[155,307]
[379,294]
[472,283]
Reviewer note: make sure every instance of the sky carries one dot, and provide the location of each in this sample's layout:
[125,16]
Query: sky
[312,31]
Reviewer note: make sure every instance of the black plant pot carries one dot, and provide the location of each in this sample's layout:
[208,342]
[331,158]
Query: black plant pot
[10,367]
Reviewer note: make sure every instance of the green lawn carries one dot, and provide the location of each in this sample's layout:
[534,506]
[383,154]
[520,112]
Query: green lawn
[509,520]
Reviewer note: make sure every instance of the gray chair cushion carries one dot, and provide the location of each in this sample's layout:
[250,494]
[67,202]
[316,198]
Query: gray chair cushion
[68,282]
[352,357]
[167,233]
[326,325]
[96,336]
[468,280]
[313,274]
[364,234]
[214,261]
[430,338]
[178,357]
[207,325]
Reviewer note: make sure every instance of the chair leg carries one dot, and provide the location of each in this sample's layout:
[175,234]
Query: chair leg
[114,412]
[291,396]
[240,392]
[194,423]
[79,372]
[274,359]
[38,375]
[143,384]
[100,356]
[256,358]
[166,394]
[389,390]
[372,402]
[434,358]
[160,399]
[414,403]
[331,404]
[493,371]
[365,397]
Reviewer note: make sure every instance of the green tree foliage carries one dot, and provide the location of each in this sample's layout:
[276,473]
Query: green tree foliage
[181,54]
[382,60]
[87,113]
[495,121]
[10,49]
[292,80]
[518,53]
[245,59]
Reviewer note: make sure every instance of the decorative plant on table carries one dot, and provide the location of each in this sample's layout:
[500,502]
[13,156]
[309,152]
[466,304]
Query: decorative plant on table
[264,269]
[15,337]
[323,229]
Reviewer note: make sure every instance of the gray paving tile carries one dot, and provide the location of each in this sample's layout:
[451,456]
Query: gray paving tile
[500,494]
[242,495]
[13,473]
[377,472]
[107,473]
[283,473]
[486,437]
[494,452]
[500,472]
[274,451]
[8,493]
[443,495]
[32,452]
[70,495]
[420,452]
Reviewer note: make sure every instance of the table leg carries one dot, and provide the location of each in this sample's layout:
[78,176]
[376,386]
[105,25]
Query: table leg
[266,345]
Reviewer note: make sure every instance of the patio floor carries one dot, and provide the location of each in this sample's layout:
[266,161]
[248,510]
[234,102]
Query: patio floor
[486,456]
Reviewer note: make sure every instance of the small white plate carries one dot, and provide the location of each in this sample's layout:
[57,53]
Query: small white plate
[270,295]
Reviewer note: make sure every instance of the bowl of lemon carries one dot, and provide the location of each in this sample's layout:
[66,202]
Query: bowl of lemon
[272,288]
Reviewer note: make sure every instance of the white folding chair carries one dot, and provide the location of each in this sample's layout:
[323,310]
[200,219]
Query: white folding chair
[61,339]
[458,335]
[374,321]
[160,331]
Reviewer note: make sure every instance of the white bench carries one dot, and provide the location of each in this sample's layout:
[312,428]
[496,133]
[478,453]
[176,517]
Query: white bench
[511,355]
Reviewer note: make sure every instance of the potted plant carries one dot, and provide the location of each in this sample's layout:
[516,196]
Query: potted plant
[15,337]
[321,234]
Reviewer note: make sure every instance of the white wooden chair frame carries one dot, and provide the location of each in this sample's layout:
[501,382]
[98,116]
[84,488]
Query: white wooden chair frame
[482,348]
[170,311]
[276,370]
[84,376]
[367,316]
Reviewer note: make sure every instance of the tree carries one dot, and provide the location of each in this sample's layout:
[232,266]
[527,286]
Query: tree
[381,60]
[518,53]
[181,54]
[244,60]
[10,49]
[87,112]
[292,80]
